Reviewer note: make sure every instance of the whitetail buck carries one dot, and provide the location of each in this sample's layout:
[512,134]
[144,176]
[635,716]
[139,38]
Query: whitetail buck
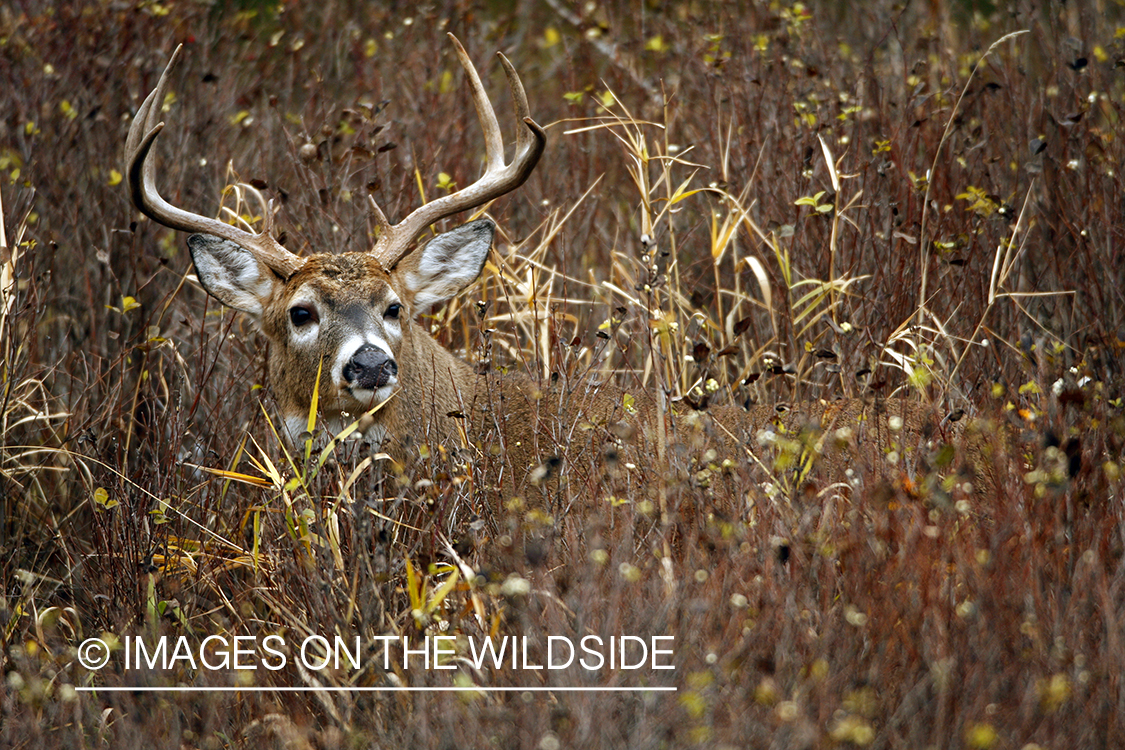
[350,318]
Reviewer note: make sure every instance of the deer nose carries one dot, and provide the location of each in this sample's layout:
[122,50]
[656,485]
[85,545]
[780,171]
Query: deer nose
[370,368]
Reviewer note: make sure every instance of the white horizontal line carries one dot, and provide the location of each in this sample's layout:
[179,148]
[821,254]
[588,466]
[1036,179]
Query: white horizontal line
[286,689]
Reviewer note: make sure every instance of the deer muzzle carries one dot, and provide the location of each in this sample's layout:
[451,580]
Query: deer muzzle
[370,368]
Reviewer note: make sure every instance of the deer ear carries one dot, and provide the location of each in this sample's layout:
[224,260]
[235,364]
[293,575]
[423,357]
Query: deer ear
[447,264]
[231,274]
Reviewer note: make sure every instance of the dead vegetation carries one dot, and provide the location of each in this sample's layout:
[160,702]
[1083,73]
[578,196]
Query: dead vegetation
[739,206]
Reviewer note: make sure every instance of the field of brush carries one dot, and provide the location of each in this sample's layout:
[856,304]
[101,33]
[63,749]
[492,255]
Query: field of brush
[740,203]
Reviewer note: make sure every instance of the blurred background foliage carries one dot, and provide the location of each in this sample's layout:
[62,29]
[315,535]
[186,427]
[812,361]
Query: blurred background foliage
[876,153]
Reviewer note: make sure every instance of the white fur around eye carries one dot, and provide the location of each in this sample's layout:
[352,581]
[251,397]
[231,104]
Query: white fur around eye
[305,335]
[309,332]
[393,329]
[393,326]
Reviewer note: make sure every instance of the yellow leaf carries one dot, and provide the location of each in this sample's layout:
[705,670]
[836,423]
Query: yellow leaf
[101,499]
[441,593]
[235,476]
[413,587]
[693,703]
[981,736]
[678,195]
[115,178]
[681,196]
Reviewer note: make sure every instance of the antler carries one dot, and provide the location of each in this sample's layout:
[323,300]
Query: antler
[394,242]
[142,190]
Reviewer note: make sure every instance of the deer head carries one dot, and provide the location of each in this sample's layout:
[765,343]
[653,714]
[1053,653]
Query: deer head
[350,316]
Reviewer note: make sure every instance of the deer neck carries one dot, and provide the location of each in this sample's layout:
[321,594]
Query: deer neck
[439,384]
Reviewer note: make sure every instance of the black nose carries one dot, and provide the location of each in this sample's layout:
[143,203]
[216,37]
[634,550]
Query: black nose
[370,368]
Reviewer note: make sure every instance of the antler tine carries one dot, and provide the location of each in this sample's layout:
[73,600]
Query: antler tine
[394,242]
[486,115]
[380,218]
[523,112]
[142,189]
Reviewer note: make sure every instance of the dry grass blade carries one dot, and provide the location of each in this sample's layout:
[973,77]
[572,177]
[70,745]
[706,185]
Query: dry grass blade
[923,243]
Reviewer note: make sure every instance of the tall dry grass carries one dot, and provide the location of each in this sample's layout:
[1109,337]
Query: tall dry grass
[779,202]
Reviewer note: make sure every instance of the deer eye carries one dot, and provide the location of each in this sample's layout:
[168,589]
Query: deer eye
[302,315]
[393,311]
